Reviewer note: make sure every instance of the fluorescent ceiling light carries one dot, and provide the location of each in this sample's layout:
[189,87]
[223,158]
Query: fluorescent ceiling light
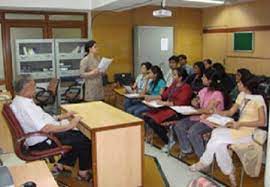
[207,1]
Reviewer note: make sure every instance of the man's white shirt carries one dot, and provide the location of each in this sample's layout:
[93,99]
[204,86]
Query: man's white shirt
[31,117]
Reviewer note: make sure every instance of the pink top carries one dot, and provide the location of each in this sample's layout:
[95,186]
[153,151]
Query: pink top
[206,96]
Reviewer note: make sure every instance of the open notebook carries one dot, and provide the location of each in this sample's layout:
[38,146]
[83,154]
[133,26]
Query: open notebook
[219,120]
[104,64]
[185,110]
[133,95]
[152,104]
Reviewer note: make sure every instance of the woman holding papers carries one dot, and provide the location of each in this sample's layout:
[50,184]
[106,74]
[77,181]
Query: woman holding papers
[252,110]
[92,75]
[190,130]
[156,87]
[140,85]
[179,93]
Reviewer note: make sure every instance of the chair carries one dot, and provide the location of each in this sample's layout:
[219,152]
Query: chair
[73,93]
[19,137]
[47,97]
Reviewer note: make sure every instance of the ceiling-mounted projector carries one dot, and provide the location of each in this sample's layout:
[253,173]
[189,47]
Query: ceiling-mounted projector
[162,13]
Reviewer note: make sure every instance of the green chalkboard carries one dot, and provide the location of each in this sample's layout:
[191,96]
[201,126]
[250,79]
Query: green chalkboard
[243,41]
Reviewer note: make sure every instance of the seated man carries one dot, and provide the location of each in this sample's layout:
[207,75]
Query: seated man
[32,118]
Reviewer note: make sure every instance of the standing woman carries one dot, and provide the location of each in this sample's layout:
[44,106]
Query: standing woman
[90,72]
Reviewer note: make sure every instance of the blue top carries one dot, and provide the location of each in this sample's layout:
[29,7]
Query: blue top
[156,91]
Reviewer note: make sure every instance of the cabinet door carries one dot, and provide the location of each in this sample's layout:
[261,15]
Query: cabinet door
[22,33]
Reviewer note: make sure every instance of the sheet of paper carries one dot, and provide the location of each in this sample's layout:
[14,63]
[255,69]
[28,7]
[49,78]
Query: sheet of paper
[185,110]
[128,89]
[104,64]
[133,95]
[164,44]
[152,104]
[219,120]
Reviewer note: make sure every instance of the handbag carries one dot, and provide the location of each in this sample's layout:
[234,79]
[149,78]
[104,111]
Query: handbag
[259,136]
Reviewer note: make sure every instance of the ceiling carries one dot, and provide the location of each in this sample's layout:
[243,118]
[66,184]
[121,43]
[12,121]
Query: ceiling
[121,5]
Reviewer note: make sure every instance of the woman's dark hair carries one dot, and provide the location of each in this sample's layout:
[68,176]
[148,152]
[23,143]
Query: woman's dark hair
[159,75]
[219,68]
[148,65]
[215,78]
[209,61]
[174,58]
[200,66]
[88,45]
[250,82]
[244,72]
[181,72]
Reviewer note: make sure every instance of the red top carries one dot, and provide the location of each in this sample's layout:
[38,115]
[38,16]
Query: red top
[178,95]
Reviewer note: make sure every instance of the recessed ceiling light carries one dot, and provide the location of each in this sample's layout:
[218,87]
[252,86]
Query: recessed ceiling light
[207,1]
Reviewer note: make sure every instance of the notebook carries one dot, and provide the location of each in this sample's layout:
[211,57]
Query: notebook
[152,104]
[133,95]
[185,110]
[219,120]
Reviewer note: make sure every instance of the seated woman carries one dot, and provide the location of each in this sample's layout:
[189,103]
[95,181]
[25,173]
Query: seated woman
[189,130]
[156,87]
[32,118]
[140,85]
[179,93]
[239,73]
[195,80]
[227,82]
[207,64]
[252,114]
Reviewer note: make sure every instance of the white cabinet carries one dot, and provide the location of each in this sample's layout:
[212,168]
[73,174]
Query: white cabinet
[68,53]
[35,57]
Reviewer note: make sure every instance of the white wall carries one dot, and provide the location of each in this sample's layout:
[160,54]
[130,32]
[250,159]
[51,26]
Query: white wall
[64,5]
[100,3]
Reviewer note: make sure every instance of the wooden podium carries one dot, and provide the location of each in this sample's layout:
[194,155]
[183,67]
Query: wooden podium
[117,144]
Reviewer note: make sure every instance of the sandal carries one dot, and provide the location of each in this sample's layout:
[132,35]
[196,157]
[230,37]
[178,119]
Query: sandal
[57,171]
[197,167]
[87,177]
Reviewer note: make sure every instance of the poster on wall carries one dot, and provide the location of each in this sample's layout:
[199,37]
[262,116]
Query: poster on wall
[164,44]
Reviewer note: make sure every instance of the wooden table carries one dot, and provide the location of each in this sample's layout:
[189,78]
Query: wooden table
[5,137]
[37,172]
[117,144]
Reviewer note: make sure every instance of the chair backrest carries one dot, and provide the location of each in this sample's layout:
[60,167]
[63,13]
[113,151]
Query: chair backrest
[13,123]
[53,85]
